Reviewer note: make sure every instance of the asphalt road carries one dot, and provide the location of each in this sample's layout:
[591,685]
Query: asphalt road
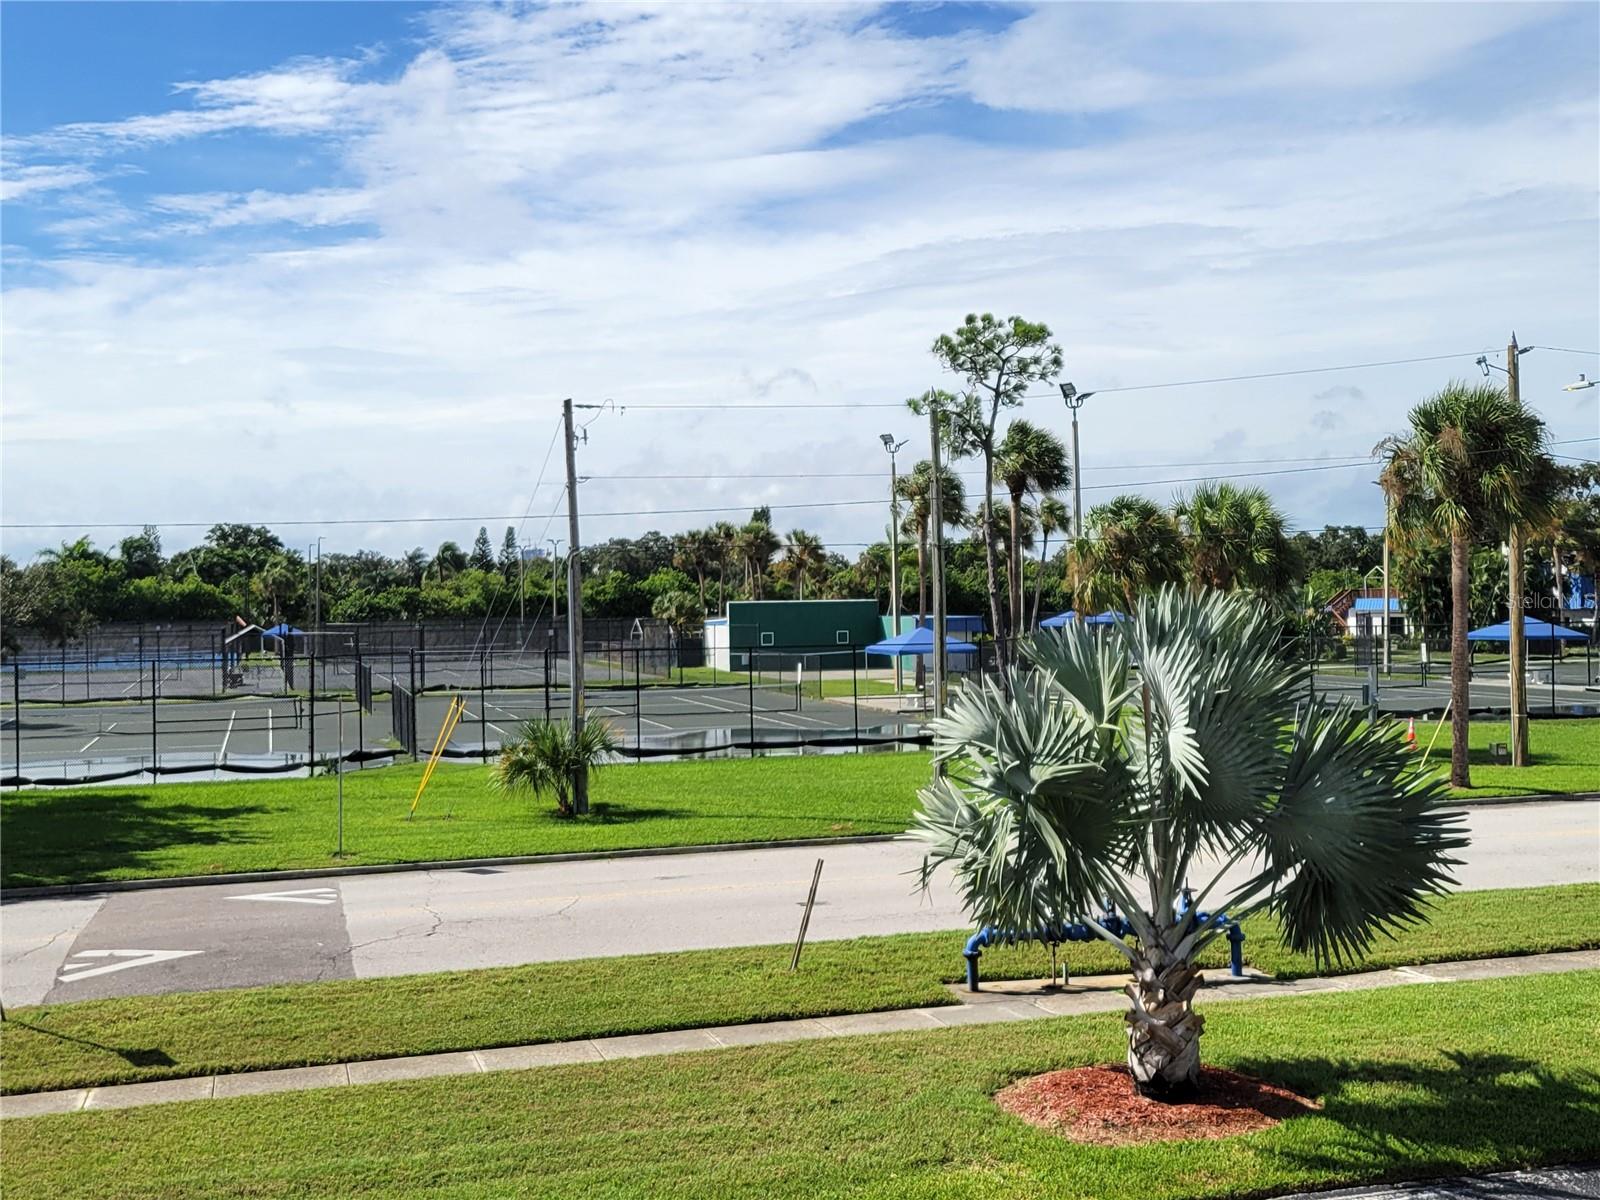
[239,935]
[1548,1183]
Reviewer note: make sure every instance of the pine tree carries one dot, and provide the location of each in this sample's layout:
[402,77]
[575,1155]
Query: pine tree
[482,552]
[509,553]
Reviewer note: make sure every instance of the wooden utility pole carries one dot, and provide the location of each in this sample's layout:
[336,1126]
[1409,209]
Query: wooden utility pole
[580,782]
[936,543]
[1518,665]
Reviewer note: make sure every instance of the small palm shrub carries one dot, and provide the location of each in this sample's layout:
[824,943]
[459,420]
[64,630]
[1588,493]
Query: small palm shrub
[545,757]
[1090,781]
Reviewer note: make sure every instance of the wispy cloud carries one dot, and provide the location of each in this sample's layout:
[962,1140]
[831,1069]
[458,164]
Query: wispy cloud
[690,203]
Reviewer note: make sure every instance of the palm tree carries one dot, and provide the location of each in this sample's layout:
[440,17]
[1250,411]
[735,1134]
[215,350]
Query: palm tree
[448,560]
[1132,545]
[915,489]
[694,552]
[415,564]
[755,544]
[805,555]
[277,582]
[1053,518]
[1459,473]
[724,539]
[872,567]
[1094,787]
[679,610]
[1236,537]
[546,757]
[1029,459]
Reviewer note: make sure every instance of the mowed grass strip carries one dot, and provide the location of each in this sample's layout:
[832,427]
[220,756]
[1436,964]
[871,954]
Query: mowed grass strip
[115,832]
[1427,1080]
[156,1037]
[1565,757]
[99,834]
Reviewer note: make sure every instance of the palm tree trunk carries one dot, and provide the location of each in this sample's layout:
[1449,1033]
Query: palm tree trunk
[1460,775]
[1163,1028]
[1038,584]
[997,612]
[1518,673]
[1014,567]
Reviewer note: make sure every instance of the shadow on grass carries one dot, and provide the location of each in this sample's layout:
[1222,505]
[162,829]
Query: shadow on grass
[86,836]
[151,1057]
[1404,1118]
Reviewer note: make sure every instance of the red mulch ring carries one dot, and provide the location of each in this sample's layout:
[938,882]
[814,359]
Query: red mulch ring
[1100,1105]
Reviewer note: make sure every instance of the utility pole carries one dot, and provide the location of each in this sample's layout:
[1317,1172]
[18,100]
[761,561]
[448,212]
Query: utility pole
[936,543]
[580,781]
[892,447]
[1514,556]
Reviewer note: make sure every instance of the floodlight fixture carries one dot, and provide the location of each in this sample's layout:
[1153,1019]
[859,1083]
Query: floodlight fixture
[1582,382]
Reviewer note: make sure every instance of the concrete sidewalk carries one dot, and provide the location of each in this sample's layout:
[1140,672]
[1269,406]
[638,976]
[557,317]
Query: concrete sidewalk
[998,1002]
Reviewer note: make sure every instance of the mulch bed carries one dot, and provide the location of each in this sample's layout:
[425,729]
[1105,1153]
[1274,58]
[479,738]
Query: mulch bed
[1099,1105]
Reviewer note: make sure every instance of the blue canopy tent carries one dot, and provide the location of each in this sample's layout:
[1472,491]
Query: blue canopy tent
[916,641]
[283,629]
[1532,629]
[1109,617]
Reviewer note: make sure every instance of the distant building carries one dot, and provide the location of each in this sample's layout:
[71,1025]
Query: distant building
[783,634]
[1359,613]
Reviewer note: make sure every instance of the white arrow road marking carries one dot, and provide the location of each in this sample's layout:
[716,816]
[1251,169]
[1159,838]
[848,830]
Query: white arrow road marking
[71,971]
[321,895]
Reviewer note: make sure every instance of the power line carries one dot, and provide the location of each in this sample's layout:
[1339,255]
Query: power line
[1564,350]
[1141,387]
[646,512]
[1391,362]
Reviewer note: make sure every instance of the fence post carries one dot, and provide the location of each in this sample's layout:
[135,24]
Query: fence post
[855,700]
[311,692]
[16,708]
[483,701]
[155,723]
[63,673]
[750,683]
[638,706]
[361,741]
[547,656]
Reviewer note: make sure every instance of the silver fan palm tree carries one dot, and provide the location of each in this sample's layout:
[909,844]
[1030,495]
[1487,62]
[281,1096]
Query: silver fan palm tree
[1098,784]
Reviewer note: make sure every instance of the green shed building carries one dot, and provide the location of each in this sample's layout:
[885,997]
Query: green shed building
[822,634]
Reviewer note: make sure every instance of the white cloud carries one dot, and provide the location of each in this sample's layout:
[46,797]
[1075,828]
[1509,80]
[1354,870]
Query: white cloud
[18,182]
[648,205]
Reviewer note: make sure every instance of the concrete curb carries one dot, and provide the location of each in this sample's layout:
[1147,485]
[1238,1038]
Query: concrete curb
[1541,798]
[996,1006]
[9,895]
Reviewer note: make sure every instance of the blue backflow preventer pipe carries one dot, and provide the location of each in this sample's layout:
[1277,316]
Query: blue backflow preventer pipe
[1078,931]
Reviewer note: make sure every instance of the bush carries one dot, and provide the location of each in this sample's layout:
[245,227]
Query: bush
[546,757]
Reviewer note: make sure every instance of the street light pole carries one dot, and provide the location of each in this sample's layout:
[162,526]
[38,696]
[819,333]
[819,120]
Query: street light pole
[555,545]
[892,447]
[1075,399]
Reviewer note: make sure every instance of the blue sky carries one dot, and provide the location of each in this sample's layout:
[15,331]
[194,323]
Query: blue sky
[320,261]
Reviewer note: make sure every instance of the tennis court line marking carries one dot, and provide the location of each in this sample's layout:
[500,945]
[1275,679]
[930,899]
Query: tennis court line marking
[99,735]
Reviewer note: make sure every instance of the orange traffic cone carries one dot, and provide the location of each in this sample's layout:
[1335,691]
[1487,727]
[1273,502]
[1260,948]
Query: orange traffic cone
[1411,732]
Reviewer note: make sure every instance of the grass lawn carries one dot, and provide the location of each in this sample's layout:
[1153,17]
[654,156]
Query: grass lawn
[143,831]
[1566,757]
[118,832]
[1412,1081]
[154,1037]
